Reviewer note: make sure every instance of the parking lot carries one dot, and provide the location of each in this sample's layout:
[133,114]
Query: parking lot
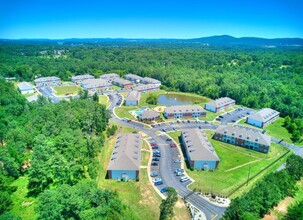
[235,115]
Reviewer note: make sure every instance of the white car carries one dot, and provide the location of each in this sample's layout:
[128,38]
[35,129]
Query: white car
[184,178]
[157,180]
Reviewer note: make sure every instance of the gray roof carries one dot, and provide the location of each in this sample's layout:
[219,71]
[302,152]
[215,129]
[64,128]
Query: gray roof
[183,109]
[109,75]
[133,76]
[151,80]
[264,114]
[198,146]
[145,87]
[122,81]
[132,95]
[149,114]
[126,153]
[217,103]
[25,86]
[94,83]
[80,77]
[46,79]
[244,133]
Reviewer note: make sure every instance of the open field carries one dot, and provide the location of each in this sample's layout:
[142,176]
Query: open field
[139,196]
[235,165]
[123,111]
[104,100]
[23,206]
[62,90]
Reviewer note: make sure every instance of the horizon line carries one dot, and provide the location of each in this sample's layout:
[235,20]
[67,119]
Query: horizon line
[138,38]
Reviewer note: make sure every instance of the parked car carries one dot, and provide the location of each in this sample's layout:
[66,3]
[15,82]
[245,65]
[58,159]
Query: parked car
[172,145]
[179,170]
[177,161]
[158,183]
[163,190]
[180,174]
[221,116]
[184,178]
[158,179]
[168,139]
[164,129]
[155,159]
[233,120]
[128,120]
[156,155]
[188,121]
[155,147]
[154,174]
[154,163]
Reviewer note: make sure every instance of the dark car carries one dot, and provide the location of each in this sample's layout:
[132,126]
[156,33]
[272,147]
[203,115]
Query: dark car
[154,163]
[220,116]
[168,139]
[156,155]
[129,120]
[156,159]
[163,190]
[158,183]
[155,147]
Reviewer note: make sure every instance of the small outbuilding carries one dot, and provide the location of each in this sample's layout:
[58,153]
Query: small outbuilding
[26,88]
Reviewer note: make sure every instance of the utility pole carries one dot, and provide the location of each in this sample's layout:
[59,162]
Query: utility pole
[248,175]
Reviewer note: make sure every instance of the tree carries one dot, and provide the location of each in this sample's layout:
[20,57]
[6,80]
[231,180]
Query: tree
[167,205]
[152,99]
[5,202]
[294,166]
[295,212]
[96,97]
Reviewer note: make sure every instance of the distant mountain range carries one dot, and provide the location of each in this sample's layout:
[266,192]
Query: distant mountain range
[223,40]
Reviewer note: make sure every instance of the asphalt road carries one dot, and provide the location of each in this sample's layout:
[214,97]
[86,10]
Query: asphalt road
[167,165]
[47,92]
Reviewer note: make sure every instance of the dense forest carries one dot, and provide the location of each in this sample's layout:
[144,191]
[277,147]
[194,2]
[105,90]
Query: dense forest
[254,77]
[56,147]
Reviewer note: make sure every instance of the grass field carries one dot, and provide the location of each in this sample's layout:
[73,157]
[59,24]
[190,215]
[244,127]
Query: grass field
[23,206]
[62,90]
[104,100]
[144,97]
[233,168]
[123,111]
[139,196]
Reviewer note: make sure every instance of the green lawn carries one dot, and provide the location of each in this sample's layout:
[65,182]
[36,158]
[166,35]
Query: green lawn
[123,111]
[23,206]
[225,179]
[104,100]
[139,196]
[62,90]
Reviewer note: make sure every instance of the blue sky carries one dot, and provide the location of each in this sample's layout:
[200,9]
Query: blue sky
[56,19]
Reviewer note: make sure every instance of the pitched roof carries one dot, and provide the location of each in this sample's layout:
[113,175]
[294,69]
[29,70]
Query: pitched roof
[25,86]
[46,79]
[264,114]
[244,133]
[132,95]
[217,103]
[151,80]
[122,81]
[94,83]
[145,87]
[79,77]
[126,153]
[133,76]
[149,114]
[109,75]
[198,146]
[183,109]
